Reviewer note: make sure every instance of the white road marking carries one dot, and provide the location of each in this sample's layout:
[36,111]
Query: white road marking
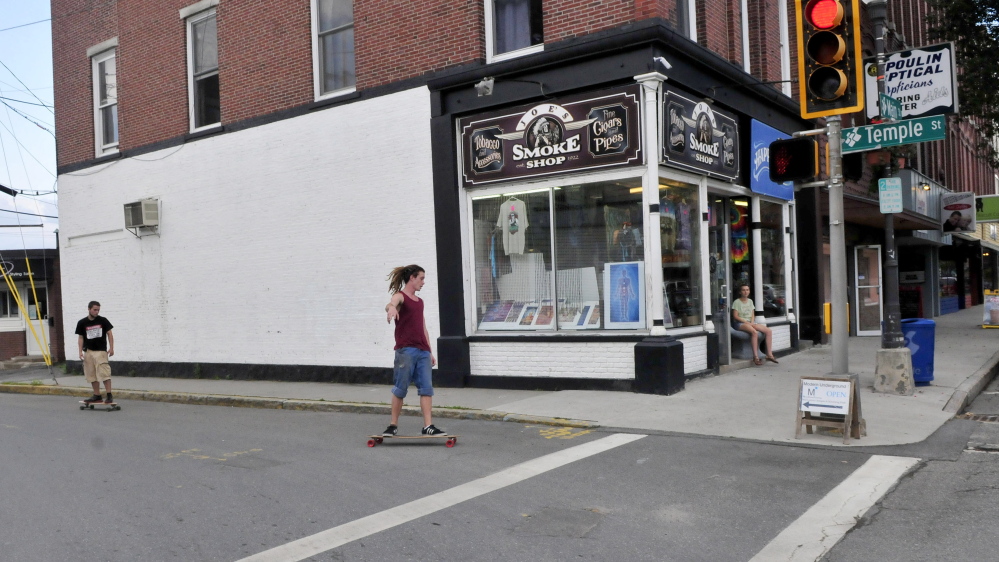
[348,532]
[814,534]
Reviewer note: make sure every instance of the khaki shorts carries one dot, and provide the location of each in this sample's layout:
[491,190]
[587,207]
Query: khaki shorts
[95,366]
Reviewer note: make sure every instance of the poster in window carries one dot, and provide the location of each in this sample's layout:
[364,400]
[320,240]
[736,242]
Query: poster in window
[624,295]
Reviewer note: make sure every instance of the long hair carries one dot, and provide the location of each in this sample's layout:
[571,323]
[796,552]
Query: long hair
[400,276]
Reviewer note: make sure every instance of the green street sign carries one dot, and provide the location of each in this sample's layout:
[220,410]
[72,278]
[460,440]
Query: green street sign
[870,137]
[890,107]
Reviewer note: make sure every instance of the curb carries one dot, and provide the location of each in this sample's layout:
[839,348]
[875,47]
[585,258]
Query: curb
[972,386]
[298,405]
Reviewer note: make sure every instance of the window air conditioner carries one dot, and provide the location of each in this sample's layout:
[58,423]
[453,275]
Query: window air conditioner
[145,213]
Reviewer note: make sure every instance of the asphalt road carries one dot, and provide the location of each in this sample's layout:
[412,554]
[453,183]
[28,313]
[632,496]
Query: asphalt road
[158,481]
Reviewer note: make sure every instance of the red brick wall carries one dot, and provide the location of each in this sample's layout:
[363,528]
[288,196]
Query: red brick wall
[764,40]
[12,344]
[57,349]
[407,38]
[76,26]
[720,29]
[265,62]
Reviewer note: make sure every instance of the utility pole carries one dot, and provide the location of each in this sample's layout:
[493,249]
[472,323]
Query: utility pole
[893,365]
[891,334]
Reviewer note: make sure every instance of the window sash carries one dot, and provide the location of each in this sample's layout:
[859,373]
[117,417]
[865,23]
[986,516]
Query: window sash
[105,101]
[203,70]
[336,59]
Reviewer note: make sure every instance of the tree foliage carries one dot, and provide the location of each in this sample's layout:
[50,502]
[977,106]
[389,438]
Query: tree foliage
[973,26]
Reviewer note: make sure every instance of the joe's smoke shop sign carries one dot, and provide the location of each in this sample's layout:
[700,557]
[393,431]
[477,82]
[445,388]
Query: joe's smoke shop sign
[699,137]
[594,131]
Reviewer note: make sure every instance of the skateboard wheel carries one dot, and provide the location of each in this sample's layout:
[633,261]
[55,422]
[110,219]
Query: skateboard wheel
[371,442]
[91,406]
[83,407]
[450,442]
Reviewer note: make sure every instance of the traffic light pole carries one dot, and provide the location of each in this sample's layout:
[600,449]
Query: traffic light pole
[837,248]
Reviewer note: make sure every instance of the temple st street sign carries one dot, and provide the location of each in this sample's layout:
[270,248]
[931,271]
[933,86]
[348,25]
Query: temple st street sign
[870,137]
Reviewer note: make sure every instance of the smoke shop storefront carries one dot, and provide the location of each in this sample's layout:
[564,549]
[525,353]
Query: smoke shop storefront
[590,222]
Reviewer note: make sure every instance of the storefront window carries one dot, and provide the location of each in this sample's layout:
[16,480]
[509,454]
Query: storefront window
[679,230]
[597,242]
[599,249]
[772,255]
[513,261]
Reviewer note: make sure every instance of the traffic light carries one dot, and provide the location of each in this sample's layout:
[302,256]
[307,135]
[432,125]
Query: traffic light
[794,159]
[830,63]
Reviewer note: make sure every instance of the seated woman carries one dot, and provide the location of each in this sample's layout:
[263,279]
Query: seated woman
[743,311]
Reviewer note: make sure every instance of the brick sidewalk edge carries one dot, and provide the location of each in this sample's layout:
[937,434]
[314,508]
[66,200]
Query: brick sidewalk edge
[287,404]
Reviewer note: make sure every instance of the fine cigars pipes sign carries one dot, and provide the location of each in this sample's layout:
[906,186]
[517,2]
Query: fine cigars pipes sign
[699,137]
[597,130]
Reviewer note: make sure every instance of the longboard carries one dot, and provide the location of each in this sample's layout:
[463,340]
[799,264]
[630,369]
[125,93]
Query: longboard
[450,440]
[106,407]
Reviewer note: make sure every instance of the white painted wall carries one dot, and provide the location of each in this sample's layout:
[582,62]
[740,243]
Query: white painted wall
[274,242]
[540,358]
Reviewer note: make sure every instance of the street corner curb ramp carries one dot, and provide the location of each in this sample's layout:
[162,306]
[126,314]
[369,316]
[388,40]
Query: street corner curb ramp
[292,404]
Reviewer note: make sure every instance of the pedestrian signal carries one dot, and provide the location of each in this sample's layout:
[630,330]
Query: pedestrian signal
[794,160]
[830,64]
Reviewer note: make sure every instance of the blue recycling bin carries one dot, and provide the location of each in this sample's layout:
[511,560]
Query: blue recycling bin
[920,337]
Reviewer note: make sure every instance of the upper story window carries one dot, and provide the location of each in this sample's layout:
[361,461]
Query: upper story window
[334,25]
[203,70]
[513,28]
[105,102]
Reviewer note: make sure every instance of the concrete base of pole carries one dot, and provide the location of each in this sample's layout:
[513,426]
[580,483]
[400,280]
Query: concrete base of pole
[893,373]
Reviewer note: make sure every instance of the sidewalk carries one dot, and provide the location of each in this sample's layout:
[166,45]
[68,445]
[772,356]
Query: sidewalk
[753,403]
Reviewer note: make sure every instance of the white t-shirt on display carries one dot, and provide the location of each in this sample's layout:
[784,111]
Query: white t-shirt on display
[513,221]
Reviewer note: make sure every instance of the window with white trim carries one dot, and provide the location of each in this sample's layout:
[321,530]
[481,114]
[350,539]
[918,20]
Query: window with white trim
[513,28]
[105,102]
[334,25]
[203,70]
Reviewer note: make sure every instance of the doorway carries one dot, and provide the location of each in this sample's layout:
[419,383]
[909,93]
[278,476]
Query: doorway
[867,297]
[718,272]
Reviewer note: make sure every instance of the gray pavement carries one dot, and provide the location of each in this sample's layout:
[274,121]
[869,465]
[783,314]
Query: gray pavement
[757,403]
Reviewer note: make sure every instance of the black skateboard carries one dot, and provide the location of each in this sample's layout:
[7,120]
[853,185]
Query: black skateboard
[450,440]
[108,407]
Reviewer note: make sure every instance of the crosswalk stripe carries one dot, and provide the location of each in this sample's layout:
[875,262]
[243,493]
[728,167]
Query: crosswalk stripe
[814,534]
[348,532]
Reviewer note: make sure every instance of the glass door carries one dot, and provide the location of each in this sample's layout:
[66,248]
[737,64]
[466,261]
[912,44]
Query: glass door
[718,273]
[867,280]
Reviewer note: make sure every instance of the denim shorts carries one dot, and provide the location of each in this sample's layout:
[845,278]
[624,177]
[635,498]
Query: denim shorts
[412,366]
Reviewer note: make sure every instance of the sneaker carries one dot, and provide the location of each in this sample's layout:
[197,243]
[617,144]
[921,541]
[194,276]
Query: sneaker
[391,431]
[109,399]
[93,399]
[433,430]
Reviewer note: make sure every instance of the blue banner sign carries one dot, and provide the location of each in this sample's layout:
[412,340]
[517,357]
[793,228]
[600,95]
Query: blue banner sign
[759,179]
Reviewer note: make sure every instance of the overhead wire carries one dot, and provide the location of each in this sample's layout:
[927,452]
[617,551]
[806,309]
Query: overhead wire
[25,86]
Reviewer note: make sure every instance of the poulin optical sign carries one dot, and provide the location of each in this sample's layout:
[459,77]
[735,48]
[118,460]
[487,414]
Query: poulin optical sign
[700,138]
[599,130]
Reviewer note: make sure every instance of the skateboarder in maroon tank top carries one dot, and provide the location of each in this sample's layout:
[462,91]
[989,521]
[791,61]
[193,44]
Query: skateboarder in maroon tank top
[413,357]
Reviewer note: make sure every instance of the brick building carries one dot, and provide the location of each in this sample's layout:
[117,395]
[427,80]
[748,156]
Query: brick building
[575,176]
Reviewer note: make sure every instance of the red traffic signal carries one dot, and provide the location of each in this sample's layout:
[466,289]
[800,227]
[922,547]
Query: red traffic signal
[794,160]
[830,65]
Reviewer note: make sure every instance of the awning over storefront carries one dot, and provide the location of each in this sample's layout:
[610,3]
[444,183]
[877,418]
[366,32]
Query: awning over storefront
[858,209]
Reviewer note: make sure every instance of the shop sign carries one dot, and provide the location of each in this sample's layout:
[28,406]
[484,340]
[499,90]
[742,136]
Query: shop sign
[17,270]
[594,131]
[957,212]
[700,138]
[922,80]
[759,163]
[987,208]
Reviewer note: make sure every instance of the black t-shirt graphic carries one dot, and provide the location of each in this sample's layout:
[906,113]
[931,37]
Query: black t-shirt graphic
[94,332]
